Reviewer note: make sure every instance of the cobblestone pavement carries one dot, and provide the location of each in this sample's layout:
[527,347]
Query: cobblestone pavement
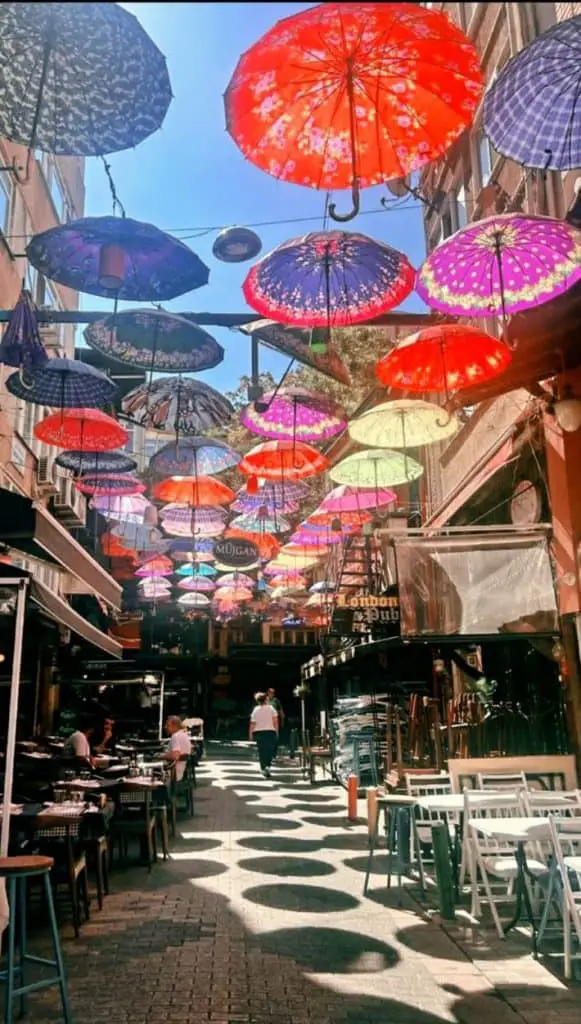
[259,918]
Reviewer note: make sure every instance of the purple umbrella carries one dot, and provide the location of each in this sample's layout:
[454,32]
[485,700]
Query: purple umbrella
[282,496]
[128,508]
[294,412]
[501,265]
[194,456]
[155,340]
[21,345]
[203,522]
[96,462]
[197,583]
[118,258]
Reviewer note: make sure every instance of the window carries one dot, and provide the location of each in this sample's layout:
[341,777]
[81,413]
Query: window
[446,222]
[468,11]
[486,157]
[5,203]
[461,207]
[130,445]
[276,636]
[57,194]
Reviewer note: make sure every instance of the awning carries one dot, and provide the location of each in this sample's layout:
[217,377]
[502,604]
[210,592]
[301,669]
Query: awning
[30,528]
[472,484]
[59,610]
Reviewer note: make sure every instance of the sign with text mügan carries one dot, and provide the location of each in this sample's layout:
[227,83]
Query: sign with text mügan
[236,554]
[377,614]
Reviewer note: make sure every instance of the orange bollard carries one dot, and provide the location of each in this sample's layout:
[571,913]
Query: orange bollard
[371,810]
[352,788]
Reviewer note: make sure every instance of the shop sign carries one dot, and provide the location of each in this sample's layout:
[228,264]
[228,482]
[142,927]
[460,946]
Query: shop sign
[378,614]
[236,554]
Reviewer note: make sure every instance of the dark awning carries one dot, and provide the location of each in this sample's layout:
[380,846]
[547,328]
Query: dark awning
[31,529]
[60,610]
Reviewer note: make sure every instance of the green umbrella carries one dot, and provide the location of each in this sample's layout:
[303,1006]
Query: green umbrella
[405,423]
[376,467]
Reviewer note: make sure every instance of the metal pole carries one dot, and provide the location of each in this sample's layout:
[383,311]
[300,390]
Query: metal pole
[13,712]
[161,699]
[89,316]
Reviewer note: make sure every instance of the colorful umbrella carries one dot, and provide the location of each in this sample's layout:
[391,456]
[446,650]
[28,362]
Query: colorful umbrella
[268,546]
[403,423]
[177,405]
[194,600]
[278,460]
[21,345]
[125,508]
[142,538]
[113,548]
[235,579]
[96,462]
[328,279]
[501,265]
[187,569]
[63,384]
[442,360]
[350,95]
[83,429]
[192,548]
[118,258]
[193,490]
[308,539]
[150,571]
[79,78]
[155,340]
[322,587]
[234,593]
[294,412]
[194,456]
[340,520]
[109,483]
[190,530]
[532,111]
[350,499]
[376,468]
[288,579]
[197,583]
[282,496]
[254,522]
[188,522]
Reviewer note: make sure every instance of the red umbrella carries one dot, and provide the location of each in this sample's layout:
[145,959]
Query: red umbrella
[109,483]
[84,430]
[282,460]
[338,521]
[443,360]
[348,95]
[113,548]
[193,490]
[268,546]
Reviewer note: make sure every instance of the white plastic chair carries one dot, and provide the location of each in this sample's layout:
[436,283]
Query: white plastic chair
[566,848]
[514,782]
[429,785]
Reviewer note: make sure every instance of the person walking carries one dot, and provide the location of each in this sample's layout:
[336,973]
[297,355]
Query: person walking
[274,702]
[264,731]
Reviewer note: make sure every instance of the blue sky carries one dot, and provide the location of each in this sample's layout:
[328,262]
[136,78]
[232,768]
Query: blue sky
[190,174]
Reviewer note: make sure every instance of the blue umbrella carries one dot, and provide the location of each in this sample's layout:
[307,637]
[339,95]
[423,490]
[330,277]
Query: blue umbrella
[203,545]
[21,345]
[323,587]
[64,384]
[203,569]
[118,258]
[532,112]
[96,462]
[194,456]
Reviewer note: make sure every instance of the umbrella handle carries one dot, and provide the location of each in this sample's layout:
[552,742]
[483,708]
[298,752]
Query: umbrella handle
[342,218]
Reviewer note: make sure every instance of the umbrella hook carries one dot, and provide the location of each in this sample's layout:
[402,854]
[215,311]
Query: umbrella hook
[342,218]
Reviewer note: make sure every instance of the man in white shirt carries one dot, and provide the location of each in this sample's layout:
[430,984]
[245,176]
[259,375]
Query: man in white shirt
[78,743]
[180,744]
[264,729]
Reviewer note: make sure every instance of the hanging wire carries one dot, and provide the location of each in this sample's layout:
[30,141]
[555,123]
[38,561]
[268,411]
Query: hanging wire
[118,206]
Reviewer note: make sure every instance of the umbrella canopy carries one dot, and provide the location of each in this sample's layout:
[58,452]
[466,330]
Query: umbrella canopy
[147,572]
[268,546]
[328,279]
[194,600]
[142,538]
[253,522]
[322,587]
[233,593]
[197,583]
[340,520]
[109,483]
[155,340]
[350,95]
[502,265]
[442,360]
[403,423]
[194,456]
[278,460]
[202,546]
[376,467]
[21,345]
[83,429]
[127,508]
[118,258]
[63,384]
[154,587]
[193,490]
[96,462]
[204,570]
[532,111]
[235,579]
[113,548]
[177,405]
[79,78]
[294,412]
[282,496]
[289,579]
[189,522]
[350,499]
[308,539]
[295,560]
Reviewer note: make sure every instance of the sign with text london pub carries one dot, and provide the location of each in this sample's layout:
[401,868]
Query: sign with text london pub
[369,614]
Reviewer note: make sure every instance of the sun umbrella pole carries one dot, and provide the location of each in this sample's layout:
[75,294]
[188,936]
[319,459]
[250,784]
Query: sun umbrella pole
[13,713]
[342,218]
[498,253]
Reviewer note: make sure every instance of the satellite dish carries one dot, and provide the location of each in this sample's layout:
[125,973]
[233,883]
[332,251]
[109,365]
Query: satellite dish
[399,187]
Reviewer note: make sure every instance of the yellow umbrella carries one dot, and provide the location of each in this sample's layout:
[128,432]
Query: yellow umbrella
[376,467]
[405,423]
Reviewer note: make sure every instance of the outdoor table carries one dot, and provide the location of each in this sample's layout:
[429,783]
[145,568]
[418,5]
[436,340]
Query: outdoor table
[453,803]
[520,831]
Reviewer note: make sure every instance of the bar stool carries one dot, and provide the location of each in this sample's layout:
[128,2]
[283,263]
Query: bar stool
[399,824]
[17,871]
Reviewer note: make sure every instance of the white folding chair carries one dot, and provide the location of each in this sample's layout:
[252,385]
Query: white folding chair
[492,862]
[513,782]
[429,785]
[565,884]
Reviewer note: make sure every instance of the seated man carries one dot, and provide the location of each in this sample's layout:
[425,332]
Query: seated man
[105,741]
[180,744]
[78,744]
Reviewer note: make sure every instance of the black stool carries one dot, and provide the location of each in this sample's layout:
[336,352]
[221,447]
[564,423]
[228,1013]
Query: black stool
[17,871]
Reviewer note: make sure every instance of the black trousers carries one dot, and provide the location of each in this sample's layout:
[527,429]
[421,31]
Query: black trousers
[266,742]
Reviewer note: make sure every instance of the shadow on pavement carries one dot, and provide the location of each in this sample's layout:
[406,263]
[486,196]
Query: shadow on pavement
[305,899]
[299,867]
[280,845]
[330,950]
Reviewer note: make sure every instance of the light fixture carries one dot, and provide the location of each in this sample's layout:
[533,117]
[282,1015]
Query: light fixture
[111,273]
[568,411]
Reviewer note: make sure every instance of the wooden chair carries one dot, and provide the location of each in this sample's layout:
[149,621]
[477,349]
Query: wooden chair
[61,840]
[183,789]
[135,817]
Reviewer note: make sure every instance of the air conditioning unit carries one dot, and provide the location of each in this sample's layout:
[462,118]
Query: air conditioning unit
[46,475]
[69,505]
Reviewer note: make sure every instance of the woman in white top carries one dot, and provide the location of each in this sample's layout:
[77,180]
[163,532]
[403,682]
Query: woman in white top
[264,729]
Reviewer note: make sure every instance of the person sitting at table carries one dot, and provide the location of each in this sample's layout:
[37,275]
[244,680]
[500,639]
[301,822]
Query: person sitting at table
[180,744]
[78,744]
[105,740]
